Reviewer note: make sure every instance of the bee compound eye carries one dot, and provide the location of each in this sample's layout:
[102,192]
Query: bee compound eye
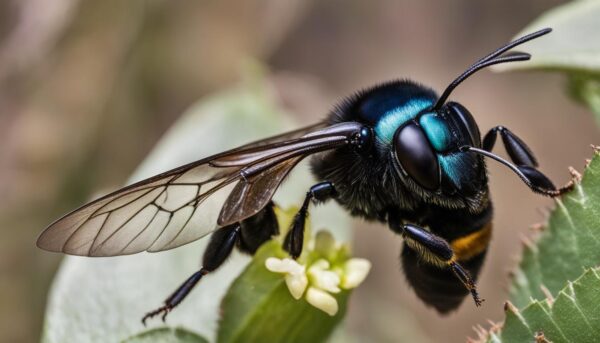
[416,156]
[468,122]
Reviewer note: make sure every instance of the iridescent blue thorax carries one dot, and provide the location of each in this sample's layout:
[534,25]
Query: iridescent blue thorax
[389,106]
[394,106]
[393,118]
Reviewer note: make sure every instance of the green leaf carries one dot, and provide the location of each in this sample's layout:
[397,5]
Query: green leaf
[569,243]
[166,335]
[259,307]
[585,88]
[573,44]
[103,299]
[573,47]
[571,317]
[568,246]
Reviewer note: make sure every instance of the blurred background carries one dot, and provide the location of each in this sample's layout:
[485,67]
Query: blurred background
[88,87]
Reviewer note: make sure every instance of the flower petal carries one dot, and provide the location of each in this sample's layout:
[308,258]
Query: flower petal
[274,264]
[355,272]
[322,278]
[322,300]
[296,284]
[286,265]
[320,264]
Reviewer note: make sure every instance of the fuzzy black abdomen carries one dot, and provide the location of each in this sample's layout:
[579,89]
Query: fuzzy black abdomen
[469,236]
[437,287]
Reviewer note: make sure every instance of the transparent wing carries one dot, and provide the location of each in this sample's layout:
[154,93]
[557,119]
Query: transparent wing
[189,202]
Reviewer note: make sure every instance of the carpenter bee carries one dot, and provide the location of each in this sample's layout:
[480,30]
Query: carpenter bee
[395,153]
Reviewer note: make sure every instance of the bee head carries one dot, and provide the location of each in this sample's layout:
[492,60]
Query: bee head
[426,150]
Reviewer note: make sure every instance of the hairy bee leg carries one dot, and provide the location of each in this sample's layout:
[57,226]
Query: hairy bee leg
[463,275]
[219,248]
[294,240]
[437,251]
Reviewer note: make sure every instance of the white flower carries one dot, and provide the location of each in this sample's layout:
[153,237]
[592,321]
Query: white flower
[322,278]
[322,300]
[295,276]
[329,274]
[286,265]
[355,272]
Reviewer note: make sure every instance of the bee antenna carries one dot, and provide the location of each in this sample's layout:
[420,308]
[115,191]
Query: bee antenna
[491,59]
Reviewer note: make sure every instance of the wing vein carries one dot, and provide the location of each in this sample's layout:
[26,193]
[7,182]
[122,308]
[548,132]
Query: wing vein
[134,214]
[200,197]
[182,227]
[142,231]
[161,231]
[198,200]
[68,240]
[95,213]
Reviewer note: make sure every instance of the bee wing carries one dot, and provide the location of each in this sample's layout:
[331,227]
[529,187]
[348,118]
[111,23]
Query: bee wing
[281,138]
[189,202]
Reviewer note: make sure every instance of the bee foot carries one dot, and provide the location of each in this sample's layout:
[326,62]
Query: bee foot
[163,309]
[476,298]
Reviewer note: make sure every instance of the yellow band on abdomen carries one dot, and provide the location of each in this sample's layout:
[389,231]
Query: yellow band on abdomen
[472,244]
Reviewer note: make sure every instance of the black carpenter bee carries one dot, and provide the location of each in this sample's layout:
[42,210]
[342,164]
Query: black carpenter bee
[395,153]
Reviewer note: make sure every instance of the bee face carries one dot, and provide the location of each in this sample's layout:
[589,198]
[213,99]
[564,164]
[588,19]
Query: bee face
[426,150]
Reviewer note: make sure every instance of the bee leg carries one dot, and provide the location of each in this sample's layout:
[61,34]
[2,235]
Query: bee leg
[258,229]
[518,151]
[436,250]
[294,240]
[220,246]
[533,178]
[463,275]
[524,162]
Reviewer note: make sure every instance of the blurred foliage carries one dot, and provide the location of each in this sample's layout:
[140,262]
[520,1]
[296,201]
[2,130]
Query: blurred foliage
[166,335]
[573,48]
[585,88]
